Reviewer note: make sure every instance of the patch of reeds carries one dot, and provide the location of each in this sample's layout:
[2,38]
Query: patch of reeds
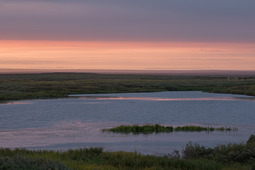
[147,129]
[140,129]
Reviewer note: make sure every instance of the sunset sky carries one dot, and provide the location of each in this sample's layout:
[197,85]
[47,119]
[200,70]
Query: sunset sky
[127,34]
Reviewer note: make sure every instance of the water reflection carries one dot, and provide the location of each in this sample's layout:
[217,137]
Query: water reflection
[169,99]
[14,103]
[75,134]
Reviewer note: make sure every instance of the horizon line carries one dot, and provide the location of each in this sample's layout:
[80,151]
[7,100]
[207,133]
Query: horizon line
[114,71]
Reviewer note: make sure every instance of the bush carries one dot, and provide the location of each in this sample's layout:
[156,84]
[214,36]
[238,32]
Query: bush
[84,154]
[195,151]
[236,153]
[251,140]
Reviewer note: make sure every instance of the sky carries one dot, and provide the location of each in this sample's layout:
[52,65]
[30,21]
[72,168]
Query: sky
[127,34]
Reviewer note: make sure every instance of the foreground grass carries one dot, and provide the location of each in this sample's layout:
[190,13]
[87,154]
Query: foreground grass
[146,129]
[32,86]
[194,156]
[95,158]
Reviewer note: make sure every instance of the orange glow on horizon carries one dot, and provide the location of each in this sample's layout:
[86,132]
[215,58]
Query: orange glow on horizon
[126,55]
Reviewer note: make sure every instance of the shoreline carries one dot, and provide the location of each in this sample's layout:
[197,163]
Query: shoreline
[61,85]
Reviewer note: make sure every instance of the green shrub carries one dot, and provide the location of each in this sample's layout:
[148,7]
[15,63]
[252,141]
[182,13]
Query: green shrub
[195,151]
[235,153]
[86,154]
[251,140]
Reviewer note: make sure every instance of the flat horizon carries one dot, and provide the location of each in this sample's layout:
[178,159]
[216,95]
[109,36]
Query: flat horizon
[159,72]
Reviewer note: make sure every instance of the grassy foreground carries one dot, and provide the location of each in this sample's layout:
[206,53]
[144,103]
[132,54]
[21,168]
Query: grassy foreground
[32,86]
[193,157]
[146,129]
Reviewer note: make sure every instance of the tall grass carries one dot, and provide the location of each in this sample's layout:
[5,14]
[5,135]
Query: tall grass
[21,162]
[194,157]
[95,158]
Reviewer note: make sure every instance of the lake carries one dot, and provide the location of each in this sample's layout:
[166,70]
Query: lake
[76,122]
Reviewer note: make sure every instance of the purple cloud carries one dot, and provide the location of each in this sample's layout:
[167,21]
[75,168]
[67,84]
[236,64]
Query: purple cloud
[132,20]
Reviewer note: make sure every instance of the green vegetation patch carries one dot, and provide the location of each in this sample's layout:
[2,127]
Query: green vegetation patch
[96,158]
[230,153]
[21,162]
[192,157]
[147,129]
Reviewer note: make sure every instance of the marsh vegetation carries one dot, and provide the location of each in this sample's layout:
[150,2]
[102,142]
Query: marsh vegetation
[146,129]
[192,157]
[32,86]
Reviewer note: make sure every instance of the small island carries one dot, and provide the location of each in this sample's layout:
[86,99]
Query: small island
[156,128]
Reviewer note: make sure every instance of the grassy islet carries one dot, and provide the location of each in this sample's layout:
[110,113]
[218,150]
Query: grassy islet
[147,129]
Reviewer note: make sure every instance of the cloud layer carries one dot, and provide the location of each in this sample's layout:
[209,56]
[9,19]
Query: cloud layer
[130,20]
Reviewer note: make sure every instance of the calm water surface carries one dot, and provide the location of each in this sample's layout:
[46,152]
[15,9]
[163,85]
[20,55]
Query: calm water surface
[76,122]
